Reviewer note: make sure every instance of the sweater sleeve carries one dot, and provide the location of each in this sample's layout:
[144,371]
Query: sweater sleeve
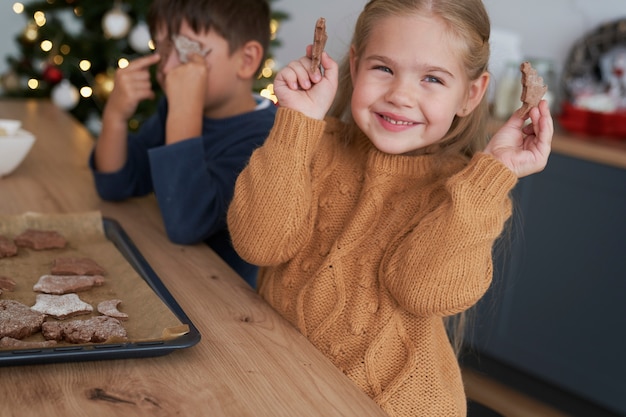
[270,215]
[134,178]
[444,265]
[179,172]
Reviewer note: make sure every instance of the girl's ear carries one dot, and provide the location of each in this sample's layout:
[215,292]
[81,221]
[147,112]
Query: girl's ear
[476,91]
[354,63]
[251,56]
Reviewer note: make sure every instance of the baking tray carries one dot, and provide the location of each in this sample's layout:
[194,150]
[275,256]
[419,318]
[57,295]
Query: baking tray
[116,234]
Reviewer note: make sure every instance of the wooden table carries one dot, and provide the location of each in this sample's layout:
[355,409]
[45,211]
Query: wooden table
[250,362]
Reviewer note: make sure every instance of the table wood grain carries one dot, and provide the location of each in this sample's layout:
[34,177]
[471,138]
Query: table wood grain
[249,362]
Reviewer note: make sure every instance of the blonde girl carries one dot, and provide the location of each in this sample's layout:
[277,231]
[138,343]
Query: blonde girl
[373,205]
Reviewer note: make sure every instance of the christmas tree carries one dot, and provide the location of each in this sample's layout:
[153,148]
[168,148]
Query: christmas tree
[69,51]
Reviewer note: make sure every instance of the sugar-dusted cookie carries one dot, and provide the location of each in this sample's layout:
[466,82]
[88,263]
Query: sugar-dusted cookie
[185,47]
[64,284]
[61,306]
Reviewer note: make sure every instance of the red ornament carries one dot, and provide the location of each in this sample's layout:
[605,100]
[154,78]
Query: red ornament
[52,74]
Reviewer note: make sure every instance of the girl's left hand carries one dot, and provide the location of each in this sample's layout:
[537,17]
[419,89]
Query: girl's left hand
[524,149]
[311,93]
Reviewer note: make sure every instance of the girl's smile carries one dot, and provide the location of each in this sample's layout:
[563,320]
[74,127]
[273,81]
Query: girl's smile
[395,123]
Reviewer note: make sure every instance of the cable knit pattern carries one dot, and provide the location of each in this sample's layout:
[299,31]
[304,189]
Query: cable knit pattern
[365,252]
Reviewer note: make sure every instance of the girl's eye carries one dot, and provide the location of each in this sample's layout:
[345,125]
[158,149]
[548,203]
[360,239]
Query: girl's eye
[431,79]
[383,68]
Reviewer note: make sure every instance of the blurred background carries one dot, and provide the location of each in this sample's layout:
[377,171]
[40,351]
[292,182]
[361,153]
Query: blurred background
[544,31]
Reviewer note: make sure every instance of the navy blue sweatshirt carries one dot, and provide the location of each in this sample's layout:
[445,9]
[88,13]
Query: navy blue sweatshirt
[193,180]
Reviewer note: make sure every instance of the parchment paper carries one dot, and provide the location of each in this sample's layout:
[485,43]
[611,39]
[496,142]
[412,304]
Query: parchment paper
[149,317]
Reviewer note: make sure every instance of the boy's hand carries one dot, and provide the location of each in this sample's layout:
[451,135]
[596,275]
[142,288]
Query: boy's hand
[132,85]
[186,82]
[524,149]
[185,87]
[310,92]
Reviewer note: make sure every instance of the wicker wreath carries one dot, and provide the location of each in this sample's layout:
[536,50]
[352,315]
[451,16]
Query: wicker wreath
[584,60]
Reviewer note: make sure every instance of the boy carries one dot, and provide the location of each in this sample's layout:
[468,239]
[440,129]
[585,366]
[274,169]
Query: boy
[190,152]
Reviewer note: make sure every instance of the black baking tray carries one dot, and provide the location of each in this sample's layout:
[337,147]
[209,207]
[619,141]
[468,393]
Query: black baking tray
[116,234]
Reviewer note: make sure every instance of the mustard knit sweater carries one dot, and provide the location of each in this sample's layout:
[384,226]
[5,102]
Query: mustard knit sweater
[365,252]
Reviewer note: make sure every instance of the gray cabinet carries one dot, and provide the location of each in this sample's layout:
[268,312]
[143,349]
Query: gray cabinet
[557,307]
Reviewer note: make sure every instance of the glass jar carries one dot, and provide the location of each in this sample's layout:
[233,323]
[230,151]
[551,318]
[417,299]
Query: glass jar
[508,91]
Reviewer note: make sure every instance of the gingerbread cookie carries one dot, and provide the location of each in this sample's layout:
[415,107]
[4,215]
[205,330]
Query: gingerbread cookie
[533,89]
[40,239]
[18,320]
[319,43]
[96,330]
[7,284]
[7,247]
[76,266]
[109,308]
[9,342]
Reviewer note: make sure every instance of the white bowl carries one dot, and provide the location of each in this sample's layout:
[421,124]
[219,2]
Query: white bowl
[13,150]
[9,127]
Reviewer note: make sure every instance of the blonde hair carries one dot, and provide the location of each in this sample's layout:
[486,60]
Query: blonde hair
[468,22]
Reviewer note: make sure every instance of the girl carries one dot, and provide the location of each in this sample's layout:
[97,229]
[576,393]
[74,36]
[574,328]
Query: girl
[374,223]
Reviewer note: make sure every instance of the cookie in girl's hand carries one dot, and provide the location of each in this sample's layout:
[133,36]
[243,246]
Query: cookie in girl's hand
[533,89]
[319,43]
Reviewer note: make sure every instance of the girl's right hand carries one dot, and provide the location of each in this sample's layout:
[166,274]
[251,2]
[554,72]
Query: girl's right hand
[311,93]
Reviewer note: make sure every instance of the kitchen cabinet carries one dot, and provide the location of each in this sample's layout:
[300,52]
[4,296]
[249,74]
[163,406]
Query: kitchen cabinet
[557,306]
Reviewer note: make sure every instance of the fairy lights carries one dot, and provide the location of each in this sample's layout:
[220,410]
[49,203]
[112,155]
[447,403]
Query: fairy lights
[61,65]
[46,45]
[18,8]
[40,18]
[84,65]
[86,91]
